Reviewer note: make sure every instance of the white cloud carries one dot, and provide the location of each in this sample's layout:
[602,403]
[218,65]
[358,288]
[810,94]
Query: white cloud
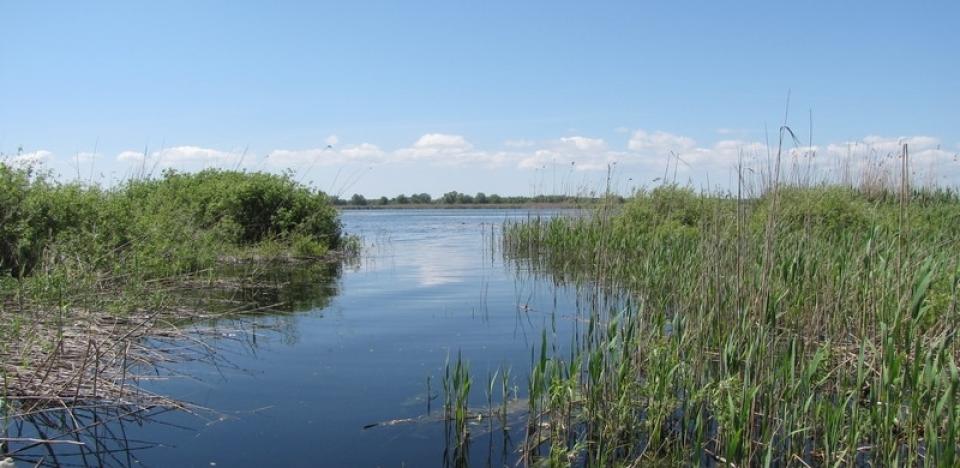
[441,140]
[31,159]
[661,143]
[85,157]
[883,146]
[180,156]
[582,153]
[446,149]
[362,153]
[641,152]
[195,154]
[131,156]
[584,143]
[803,151]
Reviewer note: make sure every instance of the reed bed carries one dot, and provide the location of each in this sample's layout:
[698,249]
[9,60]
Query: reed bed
[101,288]
[61,367]
[809,325]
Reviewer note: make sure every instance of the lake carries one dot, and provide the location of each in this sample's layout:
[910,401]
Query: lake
[359,346]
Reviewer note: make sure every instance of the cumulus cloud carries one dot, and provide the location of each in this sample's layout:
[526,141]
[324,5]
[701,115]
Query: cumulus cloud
[442,140]
[195,154]
[659,142]
[582,153]
[638,151]
[31,159]
[881,145]
[447,149]
[362,153]
[584,143]
[131,156]
[182,156]
[645,149]
[929,161]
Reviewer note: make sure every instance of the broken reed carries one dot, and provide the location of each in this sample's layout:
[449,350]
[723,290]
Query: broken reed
[811,325]
[99,285]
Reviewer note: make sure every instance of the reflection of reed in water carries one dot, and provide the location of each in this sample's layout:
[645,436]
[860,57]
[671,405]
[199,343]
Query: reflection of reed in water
[71,388]
[90,435]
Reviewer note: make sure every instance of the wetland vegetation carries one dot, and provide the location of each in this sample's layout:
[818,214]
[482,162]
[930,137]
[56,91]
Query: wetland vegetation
[88,274]
[781,324]
[456,199]
[801,324]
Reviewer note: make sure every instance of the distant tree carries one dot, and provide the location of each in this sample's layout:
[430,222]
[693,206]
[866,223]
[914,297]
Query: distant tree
[402,199]
[384,201]
[358,199]
[480,198]
[422,198]
[464,199]
[337,201]
[494,198]
[451,197]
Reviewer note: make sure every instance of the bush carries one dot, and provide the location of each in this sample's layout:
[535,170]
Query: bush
[180,222]
[666,208]
[828,210]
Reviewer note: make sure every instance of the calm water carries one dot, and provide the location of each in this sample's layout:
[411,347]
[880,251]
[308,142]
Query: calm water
[358,349]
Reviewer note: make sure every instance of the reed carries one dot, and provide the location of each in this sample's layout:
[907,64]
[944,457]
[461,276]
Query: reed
[88,273]
[807,325]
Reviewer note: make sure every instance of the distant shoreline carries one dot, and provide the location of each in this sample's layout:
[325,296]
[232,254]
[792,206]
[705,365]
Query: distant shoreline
[472,206]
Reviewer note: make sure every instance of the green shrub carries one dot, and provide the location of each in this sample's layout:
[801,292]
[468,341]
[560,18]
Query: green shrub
[829,210]
[664,210]
[177,223]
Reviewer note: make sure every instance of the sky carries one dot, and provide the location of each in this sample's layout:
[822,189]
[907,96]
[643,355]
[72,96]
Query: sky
[509,97]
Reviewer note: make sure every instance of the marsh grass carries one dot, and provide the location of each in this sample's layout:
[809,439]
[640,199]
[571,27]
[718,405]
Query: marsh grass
[94,280]
[808,325]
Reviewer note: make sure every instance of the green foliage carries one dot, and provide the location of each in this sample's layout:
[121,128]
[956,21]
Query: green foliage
[481,198]
[34,212]
[358,200]
[664,209]
[174,224]
[420,198]
[812,326]
[832,210]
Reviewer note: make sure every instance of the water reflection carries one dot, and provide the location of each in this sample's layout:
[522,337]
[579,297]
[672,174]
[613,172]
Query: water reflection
[312,356]
[250,303]
[84,436]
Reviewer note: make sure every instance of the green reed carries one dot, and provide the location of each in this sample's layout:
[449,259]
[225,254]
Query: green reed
[805,326]
[457,382]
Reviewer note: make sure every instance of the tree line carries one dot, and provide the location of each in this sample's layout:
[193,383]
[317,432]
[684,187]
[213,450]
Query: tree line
[456,198]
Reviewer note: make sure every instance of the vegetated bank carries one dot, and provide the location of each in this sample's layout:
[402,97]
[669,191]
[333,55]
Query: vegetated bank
[808,326]
[87,271]
[457,200]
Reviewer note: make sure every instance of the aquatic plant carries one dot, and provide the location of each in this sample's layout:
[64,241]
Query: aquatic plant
[88,273]
[807,325]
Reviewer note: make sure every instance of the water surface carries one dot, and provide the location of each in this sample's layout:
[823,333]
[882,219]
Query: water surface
[356,350]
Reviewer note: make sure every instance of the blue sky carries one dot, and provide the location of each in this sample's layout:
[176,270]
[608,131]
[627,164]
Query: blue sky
[509,97]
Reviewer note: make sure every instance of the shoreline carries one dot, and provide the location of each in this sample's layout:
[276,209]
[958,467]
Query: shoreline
[471,206]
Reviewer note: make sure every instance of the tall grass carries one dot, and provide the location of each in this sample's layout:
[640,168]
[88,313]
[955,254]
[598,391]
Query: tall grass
[807,326]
